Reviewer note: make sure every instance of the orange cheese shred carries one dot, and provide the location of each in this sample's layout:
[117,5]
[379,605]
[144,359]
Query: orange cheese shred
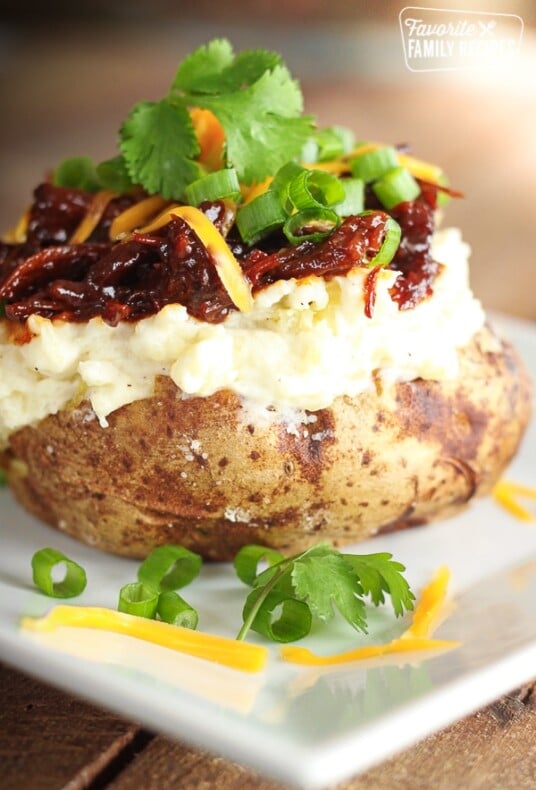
[93,216]
[17,235]
[301,655]
[135,216]
[243,656]
[249,193]
[229,270]
[420,169]
[429,608]
[211,137]
[417,638]
[506,494]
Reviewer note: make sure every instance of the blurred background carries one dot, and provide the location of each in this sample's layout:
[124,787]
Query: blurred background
[70,73]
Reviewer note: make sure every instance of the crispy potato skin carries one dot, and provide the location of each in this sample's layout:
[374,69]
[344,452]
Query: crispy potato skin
[198,472]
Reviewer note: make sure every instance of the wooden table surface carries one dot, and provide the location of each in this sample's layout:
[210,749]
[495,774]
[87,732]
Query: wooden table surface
[66,96]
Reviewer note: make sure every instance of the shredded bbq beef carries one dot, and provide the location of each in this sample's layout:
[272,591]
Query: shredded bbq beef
[135,278]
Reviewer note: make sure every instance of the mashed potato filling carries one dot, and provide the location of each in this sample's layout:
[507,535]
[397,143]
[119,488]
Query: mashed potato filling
[305,343]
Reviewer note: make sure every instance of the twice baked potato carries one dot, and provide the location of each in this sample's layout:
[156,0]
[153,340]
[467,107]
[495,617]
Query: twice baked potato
[256,335]
[195,471]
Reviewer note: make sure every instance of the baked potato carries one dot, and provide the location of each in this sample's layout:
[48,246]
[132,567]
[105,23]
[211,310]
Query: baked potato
[254,336]
[194,471]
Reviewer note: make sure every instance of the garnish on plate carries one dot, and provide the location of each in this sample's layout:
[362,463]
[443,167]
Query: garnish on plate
[312,584]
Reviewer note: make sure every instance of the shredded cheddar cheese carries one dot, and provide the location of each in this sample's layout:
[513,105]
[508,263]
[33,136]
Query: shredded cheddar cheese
[255,190]
[301,655]
[429,608]
[236,655]
[336,167]
[93,216]
[211,137]
[17,235]
[420,169]
[506,494]
[135,216]
[228,268]
[417,638]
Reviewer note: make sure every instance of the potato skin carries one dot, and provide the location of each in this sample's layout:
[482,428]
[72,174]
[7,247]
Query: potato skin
[198,472]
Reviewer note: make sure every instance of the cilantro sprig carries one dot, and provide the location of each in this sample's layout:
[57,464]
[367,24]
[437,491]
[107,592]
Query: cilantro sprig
[256,101]
[291,592]
[253,96]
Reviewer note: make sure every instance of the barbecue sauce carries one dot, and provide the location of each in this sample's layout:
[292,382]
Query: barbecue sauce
[135,278]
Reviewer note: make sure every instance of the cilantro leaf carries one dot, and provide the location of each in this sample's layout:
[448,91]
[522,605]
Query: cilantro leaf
[380,574]
[113,174]
[262,125]
[200,71]
[215,70]
[323,578]
[159,145]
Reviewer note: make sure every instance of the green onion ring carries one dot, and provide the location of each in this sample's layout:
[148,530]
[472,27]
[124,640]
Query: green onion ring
[43,564]
[315,189]
[354,197]
[214,186]
[246,561]
[396,186]
[175,610]
[280,617]
[138,599]
[373,164]
[321,221]
[281,184]
[389,245]
[169,568]
[260,217]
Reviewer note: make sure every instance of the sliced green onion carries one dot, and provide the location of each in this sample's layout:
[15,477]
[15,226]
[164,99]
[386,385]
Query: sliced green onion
[373,164]
[312,188]
[281,183]
[346,136]
[333,142]
[281,618]
[389,246]
[47,563]
[246,561]
[260,217]
[169,568]
[175,610]
[327,144]
[311,224]
[396,186]
[139,599]
[214,186]
[354,197]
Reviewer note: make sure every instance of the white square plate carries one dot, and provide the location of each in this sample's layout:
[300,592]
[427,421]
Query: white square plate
[306,726]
